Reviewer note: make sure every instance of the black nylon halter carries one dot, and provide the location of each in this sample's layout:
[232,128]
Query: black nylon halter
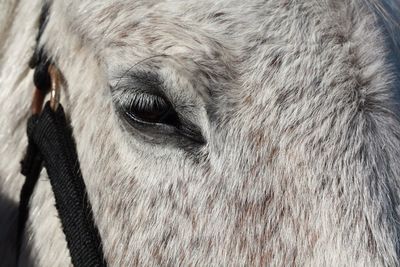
[51,145]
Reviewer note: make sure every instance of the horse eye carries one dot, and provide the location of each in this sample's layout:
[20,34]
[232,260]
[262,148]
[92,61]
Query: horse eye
[148,108]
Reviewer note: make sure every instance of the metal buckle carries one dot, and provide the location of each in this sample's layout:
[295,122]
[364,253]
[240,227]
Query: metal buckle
[39,96]
[55,87]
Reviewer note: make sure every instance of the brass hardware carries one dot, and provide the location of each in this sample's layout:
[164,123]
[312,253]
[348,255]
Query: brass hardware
[55,87]
[39,96]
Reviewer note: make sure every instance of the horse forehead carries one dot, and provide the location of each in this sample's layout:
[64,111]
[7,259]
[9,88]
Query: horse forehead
[189,25]
[240,46]
[227,18]
[209,38]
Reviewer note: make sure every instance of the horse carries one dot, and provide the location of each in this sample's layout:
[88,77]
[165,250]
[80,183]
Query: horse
[213,133]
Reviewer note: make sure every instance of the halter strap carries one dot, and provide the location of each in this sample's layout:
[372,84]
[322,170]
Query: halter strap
[51,145]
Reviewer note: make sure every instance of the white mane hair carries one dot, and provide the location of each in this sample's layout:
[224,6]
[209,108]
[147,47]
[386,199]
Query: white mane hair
[296,101]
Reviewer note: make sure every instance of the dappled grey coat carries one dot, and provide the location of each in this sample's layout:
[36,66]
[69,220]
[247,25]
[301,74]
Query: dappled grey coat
[284,149]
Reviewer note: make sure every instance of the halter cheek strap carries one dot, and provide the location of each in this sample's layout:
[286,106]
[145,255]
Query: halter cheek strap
[51,145]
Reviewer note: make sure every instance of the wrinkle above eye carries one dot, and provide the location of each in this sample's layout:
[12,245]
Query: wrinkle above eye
[140,81]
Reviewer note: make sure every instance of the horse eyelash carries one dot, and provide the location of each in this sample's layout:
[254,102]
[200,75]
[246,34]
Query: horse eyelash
[146,101]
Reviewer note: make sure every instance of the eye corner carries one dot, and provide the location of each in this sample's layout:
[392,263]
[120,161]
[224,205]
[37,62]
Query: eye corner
[193,132]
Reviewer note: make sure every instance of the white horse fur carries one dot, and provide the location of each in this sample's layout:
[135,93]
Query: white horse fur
[295,100]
